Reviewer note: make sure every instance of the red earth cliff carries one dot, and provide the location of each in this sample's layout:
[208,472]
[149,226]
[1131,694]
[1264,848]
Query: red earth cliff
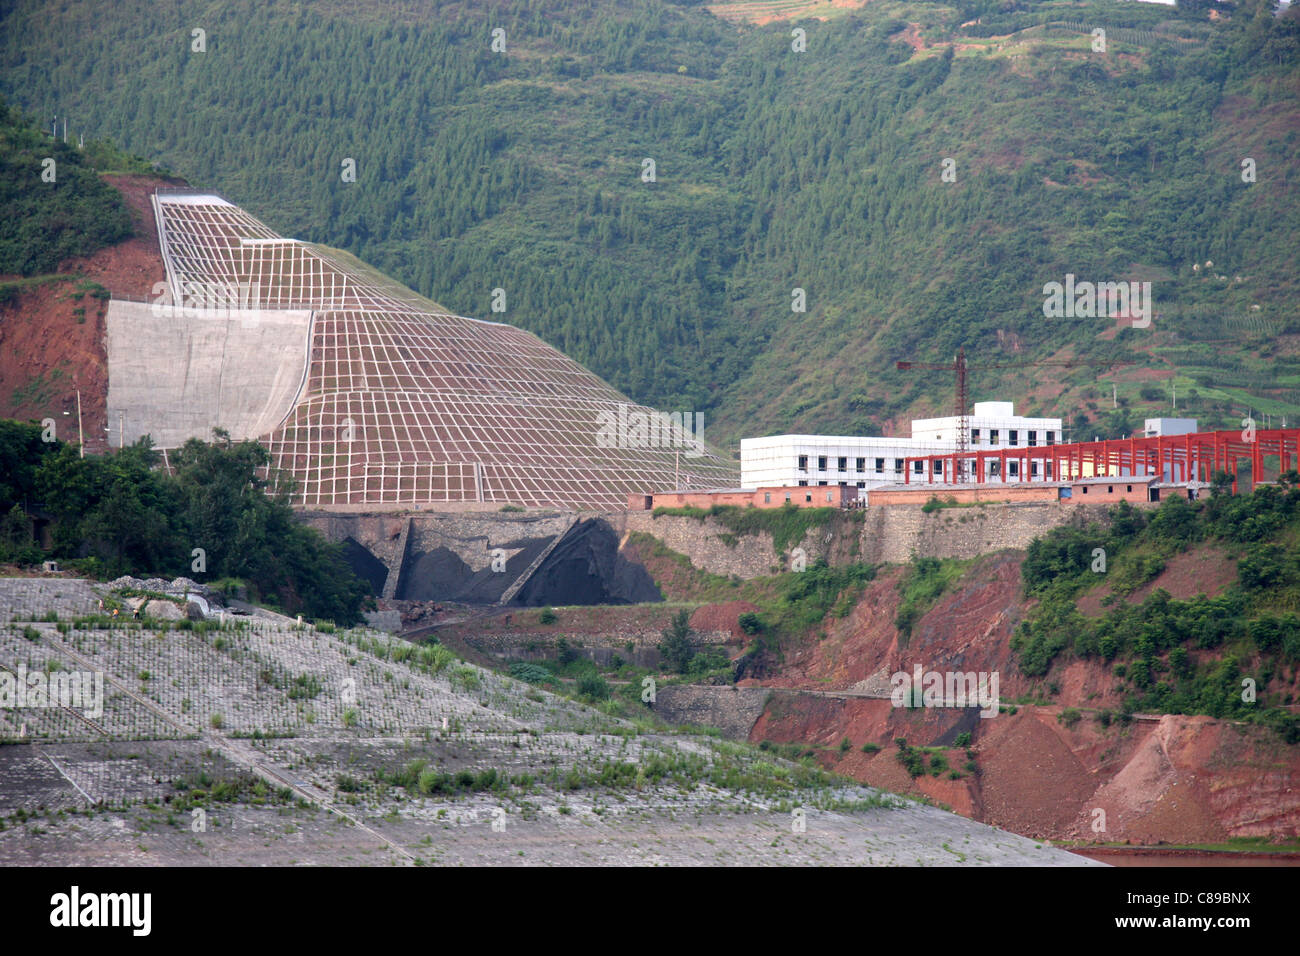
[1171,779]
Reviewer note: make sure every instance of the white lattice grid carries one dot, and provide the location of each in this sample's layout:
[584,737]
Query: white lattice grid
[442,408]
[216,243]
[425,396]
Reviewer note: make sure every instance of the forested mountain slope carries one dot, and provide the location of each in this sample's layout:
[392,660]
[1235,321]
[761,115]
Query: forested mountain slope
[822,170]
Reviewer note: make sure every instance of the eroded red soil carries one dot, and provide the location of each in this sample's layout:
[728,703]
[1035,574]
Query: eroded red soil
[1163,779]
[52,333]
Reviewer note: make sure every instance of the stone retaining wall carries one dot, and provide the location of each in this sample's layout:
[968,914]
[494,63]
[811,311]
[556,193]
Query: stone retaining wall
[875,535]
[733,710]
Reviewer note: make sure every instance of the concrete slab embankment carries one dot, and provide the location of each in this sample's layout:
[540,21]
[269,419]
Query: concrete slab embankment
[177,373]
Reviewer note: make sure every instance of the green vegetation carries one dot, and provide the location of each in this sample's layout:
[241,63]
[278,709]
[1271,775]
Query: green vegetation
[530,673]
[912,758]
[47,222]
[726,766]
[935,503]
[924,583]
[593,687]
[464,678]
[203,790]
[675,647]
[812,594]
[793,605]
[417,777]
[1194,656]
[774,170]
[219,514]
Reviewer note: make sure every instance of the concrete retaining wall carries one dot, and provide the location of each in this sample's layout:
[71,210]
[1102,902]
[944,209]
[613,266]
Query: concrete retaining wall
[896,533]
[176,373]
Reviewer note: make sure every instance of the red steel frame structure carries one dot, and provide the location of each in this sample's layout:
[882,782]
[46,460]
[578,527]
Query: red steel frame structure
[1174,458]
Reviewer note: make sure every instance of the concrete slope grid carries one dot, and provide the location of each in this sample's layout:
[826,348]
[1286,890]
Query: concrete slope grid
[364,393]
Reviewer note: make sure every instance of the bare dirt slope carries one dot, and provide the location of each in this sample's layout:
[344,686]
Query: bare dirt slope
[52,331]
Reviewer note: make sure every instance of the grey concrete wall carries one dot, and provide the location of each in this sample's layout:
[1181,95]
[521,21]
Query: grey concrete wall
[895,533]
[176,373]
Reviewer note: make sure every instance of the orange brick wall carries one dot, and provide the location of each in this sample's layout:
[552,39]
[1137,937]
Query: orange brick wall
[840,496]
[920,495]
[1106,493]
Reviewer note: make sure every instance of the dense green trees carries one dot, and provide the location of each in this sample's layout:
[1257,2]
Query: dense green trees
[54,205]
[675,647]
[1176,656]
[774,170]
[214,517]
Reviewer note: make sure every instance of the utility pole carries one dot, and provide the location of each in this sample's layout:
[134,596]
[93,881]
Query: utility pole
[81,439]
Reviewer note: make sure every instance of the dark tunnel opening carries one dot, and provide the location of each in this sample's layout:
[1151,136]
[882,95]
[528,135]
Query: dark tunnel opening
[587,568]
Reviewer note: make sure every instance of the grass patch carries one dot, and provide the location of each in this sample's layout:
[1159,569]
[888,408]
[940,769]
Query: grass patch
[787,525]
[924,583]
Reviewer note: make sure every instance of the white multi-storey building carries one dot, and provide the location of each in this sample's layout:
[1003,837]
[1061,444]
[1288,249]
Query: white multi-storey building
[1163,427]
[785,460]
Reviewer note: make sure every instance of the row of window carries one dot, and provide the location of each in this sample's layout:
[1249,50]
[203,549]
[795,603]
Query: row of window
[843,463]
[767,495]
[1013,437]
[995,470]
[860,464]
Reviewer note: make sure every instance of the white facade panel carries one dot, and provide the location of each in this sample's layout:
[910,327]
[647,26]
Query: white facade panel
[1157,427]
[870,462]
